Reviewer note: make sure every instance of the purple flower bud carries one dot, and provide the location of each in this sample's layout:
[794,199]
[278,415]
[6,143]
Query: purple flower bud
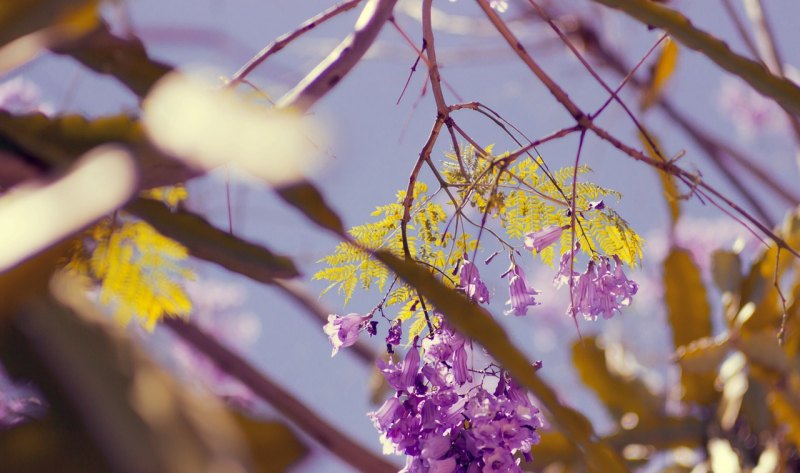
[597,205]
[395,332]
[543,238]
[460,365]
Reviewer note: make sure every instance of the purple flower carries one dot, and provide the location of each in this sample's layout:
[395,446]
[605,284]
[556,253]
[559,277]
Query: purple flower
[391,411]
[564,274]
[543,238]
[521,294]
[401,377]
[602,290]
[470,282]
[343,331]
[447,465]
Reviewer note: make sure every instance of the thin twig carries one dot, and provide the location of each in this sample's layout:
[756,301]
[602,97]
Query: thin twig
[282,41]
[341,60]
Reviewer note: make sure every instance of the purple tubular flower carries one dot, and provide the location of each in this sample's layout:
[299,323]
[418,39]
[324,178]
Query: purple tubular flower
[470,282]
[543,238]
[563,275]
[521,294]
[460,365]
[343,331]
[435,448]
[447,465]
[388,414]
[602,290]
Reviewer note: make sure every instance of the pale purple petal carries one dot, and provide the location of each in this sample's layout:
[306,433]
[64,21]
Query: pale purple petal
[543,238]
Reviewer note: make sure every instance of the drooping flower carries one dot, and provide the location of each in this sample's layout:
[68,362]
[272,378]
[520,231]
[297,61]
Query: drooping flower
[602,290]
[521,295]
[343,330]
[543,238]
[565,273]
[470,282]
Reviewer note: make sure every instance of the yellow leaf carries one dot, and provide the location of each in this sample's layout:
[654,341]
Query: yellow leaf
[662,71]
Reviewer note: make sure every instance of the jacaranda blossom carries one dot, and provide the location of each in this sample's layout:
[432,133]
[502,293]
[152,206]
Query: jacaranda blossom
[565,273]
[543,238]
[343,331]
[602,290]
[522,296]
[470,282]
[444,423]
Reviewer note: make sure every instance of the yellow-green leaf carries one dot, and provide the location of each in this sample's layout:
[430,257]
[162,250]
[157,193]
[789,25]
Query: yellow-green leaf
[671,194]
[689,316]
[273,446]
[662,71]
[620,393]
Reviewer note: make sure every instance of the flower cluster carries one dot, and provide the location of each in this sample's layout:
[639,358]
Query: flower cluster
[602,290]
[443,422]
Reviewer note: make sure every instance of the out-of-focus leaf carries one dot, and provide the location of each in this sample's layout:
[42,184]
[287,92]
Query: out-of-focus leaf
[305,197]
[703,355]
[59,141]
[27,280]
[726,269]
[26,27]
[273,445]
[207,242]
[722,456]
[662,71]
[671,194]
[769,459]
[762,349]
[131,410]
[619,393]
[553,447]
[468,319]
[19,18]
[785,407]
[754,408]
[759,288]
[784,91]
[662,433]
[123,58]
[733,377]
[47,445]
[689,315]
